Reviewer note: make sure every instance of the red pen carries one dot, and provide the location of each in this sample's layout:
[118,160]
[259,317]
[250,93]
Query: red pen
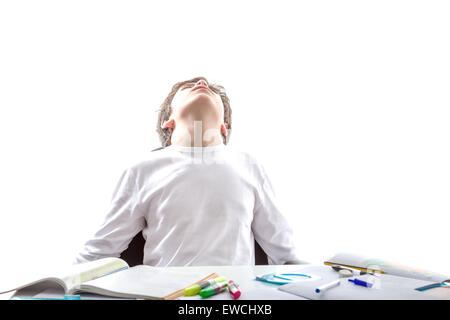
[234,290]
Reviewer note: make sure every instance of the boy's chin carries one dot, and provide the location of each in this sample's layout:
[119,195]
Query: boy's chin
[201,97]
[200,107]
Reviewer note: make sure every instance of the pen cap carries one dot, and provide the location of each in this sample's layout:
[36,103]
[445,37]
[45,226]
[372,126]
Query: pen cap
[344,273]
[192,290]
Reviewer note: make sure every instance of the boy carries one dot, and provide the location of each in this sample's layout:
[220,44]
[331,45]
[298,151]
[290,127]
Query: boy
[197,201]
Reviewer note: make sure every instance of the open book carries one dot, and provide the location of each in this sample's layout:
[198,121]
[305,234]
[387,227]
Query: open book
[113,277]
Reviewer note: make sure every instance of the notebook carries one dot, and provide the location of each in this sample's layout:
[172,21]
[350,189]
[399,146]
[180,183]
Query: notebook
[113,277]
[363,263]
[385,287]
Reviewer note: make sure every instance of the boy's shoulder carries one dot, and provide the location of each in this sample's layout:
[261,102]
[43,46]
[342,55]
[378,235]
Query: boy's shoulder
[245,155]
[150,158]
[159,157]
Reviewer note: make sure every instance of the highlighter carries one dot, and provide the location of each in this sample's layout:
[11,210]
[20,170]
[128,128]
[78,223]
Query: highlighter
[196,288]
[214,289]
[234,290]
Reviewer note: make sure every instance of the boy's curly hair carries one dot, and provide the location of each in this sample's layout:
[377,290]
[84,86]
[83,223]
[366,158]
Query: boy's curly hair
[166,109]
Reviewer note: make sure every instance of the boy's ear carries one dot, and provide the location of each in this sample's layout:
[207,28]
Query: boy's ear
[223,129]
[168,124]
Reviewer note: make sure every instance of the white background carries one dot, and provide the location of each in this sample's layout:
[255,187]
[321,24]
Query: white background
[346,103]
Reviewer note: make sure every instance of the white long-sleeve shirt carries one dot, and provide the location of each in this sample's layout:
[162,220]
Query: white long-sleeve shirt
[195,206]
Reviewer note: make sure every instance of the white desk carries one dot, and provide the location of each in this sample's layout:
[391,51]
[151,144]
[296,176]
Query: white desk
[257,290]
[244,276]
[251,289]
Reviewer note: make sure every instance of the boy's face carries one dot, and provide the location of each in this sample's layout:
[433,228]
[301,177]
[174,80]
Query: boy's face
[197,99]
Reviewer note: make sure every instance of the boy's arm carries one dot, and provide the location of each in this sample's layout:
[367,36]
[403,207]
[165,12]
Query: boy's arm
[121,224]
[270,228]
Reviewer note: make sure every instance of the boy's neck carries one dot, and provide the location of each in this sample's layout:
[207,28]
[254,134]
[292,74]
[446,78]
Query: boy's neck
[196,133]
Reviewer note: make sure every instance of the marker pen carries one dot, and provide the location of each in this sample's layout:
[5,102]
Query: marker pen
[234,290]
[327,286]
[212,290]
[360,283]
[195,289]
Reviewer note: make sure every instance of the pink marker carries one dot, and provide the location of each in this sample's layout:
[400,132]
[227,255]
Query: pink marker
[234,290]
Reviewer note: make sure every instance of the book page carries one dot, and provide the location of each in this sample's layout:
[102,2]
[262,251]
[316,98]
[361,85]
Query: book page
[15,277]
[143,281]
[68,277]
[81,273]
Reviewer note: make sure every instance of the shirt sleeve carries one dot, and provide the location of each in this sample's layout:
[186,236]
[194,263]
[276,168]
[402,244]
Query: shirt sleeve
[123,221]
[270,228]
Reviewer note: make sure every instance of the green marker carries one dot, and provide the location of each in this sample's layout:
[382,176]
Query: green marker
[213,289]
[196,288]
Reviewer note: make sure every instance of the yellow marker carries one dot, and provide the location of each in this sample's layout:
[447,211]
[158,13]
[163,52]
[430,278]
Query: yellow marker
[195,289]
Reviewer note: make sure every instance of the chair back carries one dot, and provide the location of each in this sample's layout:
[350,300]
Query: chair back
[134,254]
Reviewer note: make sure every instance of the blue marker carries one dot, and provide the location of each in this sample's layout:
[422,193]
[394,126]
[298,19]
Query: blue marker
[360,283]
